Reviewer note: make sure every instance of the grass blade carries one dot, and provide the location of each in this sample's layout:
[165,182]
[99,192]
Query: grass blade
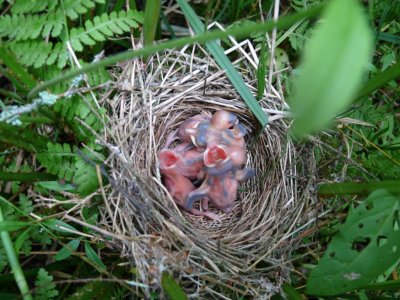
[384,286]
[171,288]
[261,70]
[387,37]
[392,186]
[151,17]
[238,31]
[25,177]
[14,262]
[333,65]
[379,80]
[16,68]
[223,61]
[12,225]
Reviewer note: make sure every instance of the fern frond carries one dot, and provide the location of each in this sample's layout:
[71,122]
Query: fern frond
[303,4]
[85,177]
[74,8]
[299,37]
[53,25]
[103,27]
[45,287]
[58,160]
[29,6]
[38,53]
[76,107]
[24,27]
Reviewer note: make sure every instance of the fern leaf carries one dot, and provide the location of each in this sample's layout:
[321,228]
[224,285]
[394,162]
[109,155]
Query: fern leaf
[74,8]
[58,160]
[21,27]
[45,287]
[85,177]
[25,204]
[299,37]
[38,53]
[21,7]
[103,27]
[53,25]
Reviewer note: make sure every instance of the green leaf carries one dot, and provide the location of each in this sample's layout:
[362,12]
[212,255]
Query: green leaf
[261,70]
[151,18]
[387,37]
[67,250]
[56,186]
[344,188]
[93,257]
[384,286]
[12,225]
[19,71]
[60,226]
[171,288]
[223,61]
[332,67]
[45,288]
[367,244]
[379,80]
[21,238]
[85,177]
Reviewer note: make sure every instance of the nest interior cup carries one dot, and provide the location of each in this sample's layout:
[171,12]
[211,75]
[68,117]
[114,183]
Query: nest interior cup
[252,242]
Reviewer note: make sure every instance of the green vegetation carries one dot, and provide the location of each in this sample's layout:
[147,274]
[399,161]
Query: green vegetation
[343,78]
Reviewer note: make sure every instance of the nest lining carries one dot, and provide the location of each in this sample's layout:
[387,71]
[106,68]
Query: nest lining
[252,240]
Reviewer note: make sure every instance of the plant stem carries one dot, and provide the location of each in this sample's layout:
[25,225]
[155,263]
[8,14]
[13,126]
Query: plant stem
[14,263]
[392,186]
[26,177]
[237,31]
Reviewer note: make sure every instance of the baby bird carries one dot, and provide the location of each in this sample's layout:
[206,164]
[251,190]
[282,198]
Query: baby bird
[205,132]
[178,185]
[220,159]
[221,190]
[185,129]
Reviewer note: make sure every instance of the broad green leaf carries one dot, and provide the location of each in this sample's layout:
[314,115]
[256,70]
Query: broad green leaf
[332,66]
[223,61]
[67,250]
[367,244]
[171,288]
[93,257]
[12,225]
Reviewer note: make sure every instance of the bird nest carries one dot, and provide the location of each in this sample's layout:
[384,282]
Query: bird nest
[249,251]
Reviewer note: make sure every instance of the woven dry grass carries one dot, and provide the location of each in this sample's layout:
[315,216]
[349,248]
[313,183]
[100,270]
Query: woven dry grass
[249,252]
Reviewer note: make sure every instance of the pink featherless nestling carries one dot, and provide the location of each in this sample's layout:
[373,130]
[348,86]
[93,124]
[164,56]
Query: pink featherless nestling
[211,153]
[178,185]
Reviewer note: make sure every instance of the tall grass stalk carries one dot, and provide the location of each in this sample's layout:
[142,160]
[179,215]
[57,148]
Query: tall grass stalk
[14,262]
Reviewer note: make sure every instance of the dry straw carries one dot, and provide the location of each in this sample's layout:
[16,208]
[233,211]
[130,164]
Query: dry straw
[249,252]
